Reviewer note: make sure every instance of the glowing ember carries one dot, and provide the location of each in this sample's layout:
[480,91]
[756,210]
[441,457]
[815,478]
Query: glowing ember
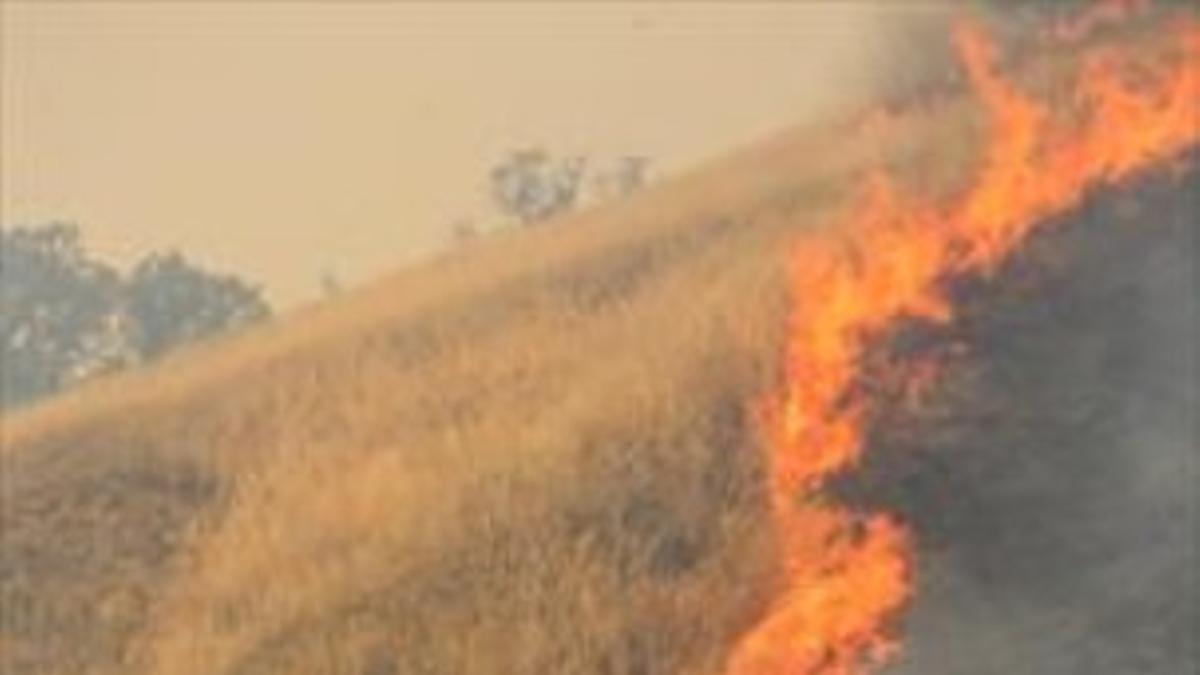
[847,575]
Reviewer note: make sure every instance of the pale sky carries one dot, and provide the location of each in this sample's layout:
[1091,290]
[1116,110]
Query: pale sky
[282,140]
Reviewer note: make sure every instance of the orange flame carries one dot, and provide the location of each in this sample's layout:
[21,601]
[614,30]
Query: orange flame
[848,575]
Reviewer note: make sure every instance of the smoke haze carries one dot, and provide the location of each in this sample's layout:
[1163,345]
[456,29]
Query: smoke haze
[288,140]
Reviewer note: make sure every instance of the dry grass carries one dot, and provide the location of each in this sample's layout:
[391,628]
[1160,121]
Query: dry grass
[501,463]
[530,456]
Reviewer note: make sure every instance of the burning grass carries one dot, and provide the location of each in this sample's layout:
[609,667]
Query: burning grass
[848,572]
[534,458]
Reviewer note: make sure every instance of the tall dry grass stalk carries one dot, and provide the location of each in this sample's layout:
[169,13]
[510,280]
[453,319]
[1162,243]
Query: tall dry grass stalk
[530,456]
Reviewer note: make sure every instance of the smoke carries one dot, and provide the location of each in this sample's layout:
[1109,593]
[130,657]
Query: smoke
[1052,482]
[902,47]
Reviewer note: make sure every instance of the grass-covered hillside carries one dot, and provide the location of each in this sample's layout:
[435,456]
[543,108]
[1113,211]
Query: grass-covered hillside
[531,455]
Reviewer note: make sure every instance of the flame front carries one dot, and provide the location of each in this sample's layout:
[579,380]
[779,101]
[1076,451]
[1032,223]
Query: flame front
[847,575]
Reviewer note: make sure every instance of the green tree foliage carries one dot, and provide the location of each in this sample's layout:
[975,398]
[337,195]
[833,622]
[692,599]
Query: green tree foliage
[171,302]
[532,186]
[65,316]
[56,307]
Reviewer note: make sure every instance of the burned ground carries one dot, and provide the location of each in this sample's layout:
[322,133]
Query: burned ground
[1051,478]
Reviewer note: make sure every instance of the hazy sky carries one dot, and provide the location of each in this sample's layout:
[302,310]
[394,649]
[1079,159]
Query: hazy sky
[284,140]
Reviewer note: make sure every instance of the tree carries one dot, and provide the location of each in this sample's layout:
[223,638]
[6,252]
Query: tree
[630,174]
[626,176]
[531,186]
[59,312]
[65,316]
[170,302]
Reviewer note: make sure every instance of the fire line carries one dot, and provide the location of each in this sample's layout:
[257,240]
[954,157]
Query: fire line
[847,575]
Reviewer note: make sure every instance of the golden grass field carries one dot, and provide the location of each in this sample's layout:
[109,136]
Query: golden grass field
[530,455]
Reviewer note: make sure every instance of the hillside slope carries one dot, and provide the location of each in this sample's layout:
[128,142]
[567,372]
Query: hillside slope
[535,455]
[542,436]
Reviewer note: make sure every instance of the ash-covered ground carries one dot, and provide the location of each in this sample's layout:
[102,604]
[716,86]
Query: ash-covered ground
[1052,481]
